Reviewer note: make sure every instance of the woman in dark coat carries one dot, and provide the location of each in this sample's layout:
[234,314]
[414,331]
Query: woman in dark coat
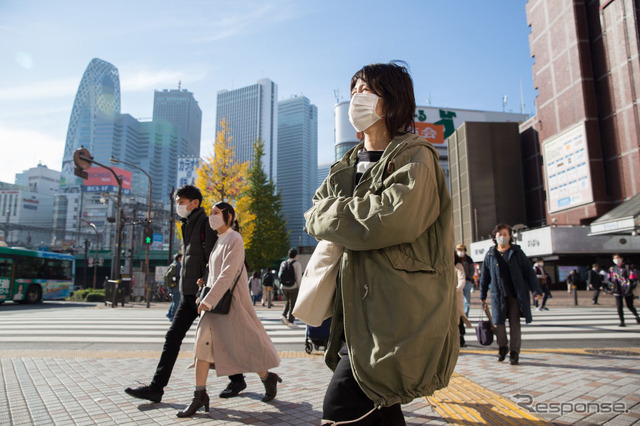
[508,272]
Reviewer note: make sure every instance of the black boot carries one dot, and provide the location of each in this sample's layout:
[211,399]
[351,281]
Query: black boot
[513,358]
[233,388]
[502,353]
[271,386]
[146,392]
[200,398]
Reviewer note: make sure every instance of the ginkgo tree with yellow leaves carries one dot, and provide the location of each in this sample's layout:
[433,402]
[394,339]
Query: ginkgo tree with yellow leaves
[221,178]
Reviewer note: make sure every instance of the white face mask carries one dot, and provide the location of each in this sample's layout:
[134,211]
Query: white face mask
[460,253]
[216,221]
[362,110]
[182,211]
[617,261]
[502,240]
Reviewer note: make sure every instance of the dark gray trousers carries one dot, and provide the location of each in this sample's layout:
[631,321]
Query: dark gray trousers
[512,313]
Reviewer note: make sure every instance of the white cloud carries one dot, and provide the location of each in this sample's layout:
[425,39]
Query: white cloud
[23,149]
[144,80]
[46,89]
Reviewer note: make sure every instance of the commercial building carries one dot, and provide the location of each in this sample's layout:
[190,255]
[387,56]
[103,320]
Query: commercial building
[297,164]
[581,150]
[95,108]
[40,179]
[180,109]
[251,113]
[25,216]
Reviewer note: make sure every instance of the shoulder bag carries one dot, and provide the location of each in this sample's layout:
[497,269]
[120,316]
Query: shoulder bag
[315,297]
[223,306]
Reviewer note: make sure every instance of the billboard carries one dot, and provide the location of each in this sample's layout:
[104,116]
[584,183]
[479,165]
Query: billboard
[102,180]
[566,169]
[187,171]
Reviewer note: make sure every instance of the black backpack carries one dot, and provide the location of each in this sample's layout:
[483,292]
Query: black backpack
[288,274]
[267,280]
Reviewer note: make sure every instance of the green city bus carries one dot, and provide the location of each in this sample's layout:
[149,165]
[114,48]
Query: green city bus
[30,276]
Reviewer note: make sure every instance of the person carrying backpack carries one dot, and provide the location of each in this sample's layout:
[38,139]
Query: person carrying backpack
[267,288]
[172,282]
[290,275]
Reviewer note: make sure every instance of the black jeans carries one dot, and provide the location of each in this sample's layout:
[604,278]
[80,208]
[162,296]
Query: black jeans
[629,300]
[183,318]
[545,295]
[345,400]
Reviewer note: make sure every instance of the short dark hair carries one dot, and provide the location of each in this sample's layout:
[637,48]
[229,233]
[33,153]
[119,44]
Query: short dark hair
[177,257]
[292,253]
[618,255]
[595,265]
[393,84]
[499,227]
[539,259]
[189,192]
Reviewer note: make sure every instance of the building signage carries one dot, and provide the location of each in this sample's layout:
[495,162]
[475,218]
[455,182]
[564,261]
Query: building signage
[187,167]
[102,180]
[566,168]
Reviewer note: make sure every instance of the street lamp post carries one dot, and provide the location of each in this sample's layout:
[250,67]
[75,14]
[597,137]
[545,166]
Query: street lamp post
[83,160]
[146,254]
[95,254]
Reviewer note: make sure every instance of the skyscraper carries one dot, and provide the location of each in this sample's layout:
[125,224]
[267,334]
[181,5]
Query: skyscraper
[252,113]
[95,108]
[180,109]
[297,164]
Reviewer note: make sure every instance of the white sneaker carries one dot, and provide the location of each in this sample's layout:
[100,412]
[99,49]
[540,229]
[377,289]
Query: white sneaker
[284,320]
[291,325]
[538,309]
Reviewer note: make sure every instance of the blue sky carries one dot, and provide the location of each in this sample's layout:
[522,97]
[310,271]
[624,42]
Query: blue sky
[461,54]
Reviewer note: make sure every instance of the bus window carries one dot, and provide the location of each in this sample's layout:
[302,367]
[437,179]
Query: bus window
[28,267]
[5,268]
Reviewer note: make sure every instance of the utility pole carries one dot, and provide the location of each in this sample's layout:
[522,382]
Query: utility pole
[172,222]
[83,160]
[86,261]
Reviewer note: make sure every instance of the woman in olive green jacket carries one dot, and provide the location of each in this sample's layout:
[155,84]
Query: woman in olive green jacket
[386,201]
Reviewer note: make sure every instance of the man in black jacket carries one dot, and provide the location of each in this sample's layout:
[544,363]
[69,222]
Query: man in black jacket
[594,282]
[198,240]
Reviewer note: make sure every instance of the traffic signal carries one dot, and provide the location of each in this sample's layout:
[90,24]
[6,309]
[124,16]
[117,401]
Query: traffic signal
[148,235]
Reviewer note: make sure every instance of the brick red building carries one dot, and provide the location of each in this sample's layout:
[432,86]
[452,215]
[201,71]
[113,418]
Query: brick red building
[587,73]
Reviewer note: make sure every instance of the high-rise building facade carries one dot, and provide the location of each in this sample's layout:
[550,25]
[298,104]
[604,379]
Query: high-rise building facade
[96,106]
[586,72]
[180,109]
[251,113]
[297,164]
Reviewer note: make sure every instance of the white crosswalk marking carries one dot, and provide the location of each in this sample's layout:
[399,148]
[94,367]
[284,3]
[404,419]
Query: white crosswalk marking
[570,324]
[142,326]
[83,325]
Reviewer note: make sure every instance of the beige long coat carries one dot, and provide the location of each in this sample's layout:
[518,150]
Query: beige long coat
[237,342]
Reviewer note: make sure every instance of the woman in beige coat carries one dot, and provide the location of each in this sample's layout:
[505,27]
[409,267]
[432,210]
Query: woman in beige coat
[237,342]
[461,282]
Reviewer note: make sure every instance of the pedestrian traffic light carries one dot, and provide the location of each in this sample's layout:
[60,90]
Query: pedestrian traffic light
[148,235]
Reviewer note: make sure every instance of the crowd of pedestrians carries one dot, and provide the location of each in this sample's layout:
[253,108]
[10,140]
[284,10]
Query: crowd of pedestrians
[387,203]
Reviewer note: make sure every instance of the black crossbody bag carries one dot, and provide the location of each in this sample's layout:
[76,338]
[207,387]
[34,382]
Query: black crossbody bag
[223,306]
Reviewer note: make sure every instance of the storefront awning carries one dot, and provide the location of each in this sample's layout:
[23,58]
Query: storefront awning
[624,219]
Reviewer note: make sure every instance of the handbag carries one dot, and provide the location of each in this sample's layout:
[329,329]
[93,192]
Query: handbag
[318,287]
[223,306]
[484,329]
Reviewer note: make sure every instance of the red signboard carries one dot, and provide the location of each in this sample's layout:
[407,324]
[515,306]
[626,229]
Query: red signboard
[433,133]
[101,179]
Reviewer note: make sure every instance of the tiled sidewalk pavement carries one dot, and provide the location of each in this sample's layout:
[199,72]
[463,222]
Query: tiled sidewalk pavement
[67,388]
[565,380]
[89,389]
